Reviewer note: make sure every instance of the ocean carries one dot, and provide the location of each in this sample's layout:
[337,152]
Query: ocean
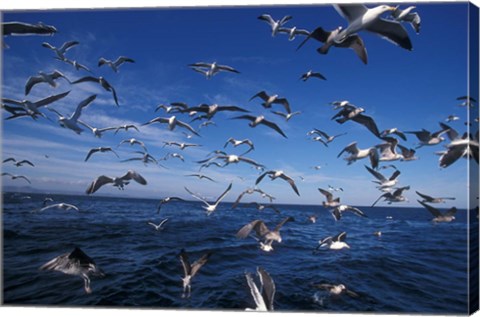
[415,266]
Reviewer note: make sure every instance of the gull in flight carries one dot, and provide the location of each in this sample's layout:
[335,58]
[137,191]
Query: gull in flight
[357,154]
[119,182]
[97,132]
[236,143]
[382,180]
[172,123]
[336,289]
[353,42]
[209,208]
[60,51]
[293,32]
[261,207]
[328,138]
[278,174]
[427,138]
[145,158]
[102,82]
[75,263]
[174,155]
[160,226]
[395,131]
[264,296]
[250,191]
[465,146]
[72,121]
[64,206]
[44,78]
[211,69]
[22,28]
[116,63]
[190,270]
[265,235]
[231,159]
[433,200]
[75,64]
[201,176]
[182,145]
[126,127]
[468,101]
[133,141]
[101,150]
[394,197]
[16,177]
[329,196]
[406,15]
[334,189]
[274,25]
[334,243]
[211,110]
[287,116]
[273,99]
[254,121]
[166,200]
[32,108]
[355,114]
[311,74]
[360,17]
[451,118]
[447,216]
[338,210]
[18,163]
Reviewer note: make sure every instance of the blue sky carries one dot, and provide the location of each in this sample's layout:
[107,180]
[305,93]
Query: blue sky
[410,90]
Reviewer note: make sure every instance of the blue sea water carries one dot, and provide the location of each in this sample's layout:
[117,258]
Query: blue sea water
[414,267]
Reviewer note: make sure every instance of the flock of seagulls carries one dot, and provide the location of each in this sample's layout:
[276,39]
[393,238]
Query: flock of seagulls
[359,18]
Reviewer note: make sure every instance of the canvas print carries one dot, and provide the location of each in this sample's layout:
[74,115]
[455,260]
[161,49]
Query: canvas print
[291,158]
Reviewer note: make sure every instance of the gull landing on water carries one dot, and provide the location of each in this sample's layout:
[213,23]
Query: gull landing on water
[209,208]
[334,243]
[264,297]
[190,270]
[336,289]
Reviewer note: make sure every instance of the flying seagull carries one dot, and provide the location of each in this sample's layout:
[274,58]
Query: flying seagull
[211,69]
[278,174]
[274,25]
[406,15]
[116,63]
[264,296]
[236,143]
[328,138]
[447,216]
[293,32]
[44,78]
[16,177]
[394,197]
[190,270]
[166,200]
[75,64]
[133,141]
[427,138]
[211,110]
[311,74]
[18,163]
[22,28]
[75,263]
[268,100]
[101,150]
[102,82]
[265,235]
[338,210]
[287,116]
[119,182]
[433,200]
[97,132]
[360,17]
[60,51]
[329,196]
[357,154]
[395,131]
[64,206]
[172,123]
[382,180]
[201,176]
[160,226]
[72,121]
[32,108]
[209,208]
[249,191]
[254,121]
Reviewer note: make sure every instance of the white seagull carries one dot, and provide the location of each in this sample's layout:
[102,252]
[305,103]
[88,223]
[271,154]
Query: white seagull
[72,121]
[100,149]
[172,123]
[160,226]
[406,15]
[264,296]
[357,154]
[60,51]
[44,78]
[116,63]
[268,100]
[274,25]
[211,69]
[338,210]
[190,270]
[293,32]
[64,206]
[278,174]
[384,182]
[254,121]
[119,182]
[334,243]
[209,208]
[447,216]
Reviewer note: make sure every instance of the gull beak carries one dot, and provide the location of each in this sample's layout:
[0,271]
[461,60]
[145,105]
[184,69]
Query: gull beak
[393,8]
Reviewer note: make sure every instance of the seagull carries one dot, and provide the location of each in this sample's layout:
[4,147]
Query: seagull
[395,131]
[160,226]
[406,15]
[394,197]
[293,32]
[116,63]
[312,218]
[102,82]
[190,270]
[211,110]
[201,176]
[273,99]
[249,191]
[287,116]
[468,101]
[182,145]
[174,107]
[207,164]
[211,69]
[360,17]
[133,141]
[264,296]
[447,216]
[126,127]
[433,200]
[329,196]
[382,180]
[44,78]
[18,163]
[210,208]
[119,182]
[388,150]
[274,25]
[338,210]
[328,138]
[355,114]
[229,159]
[462,147]
[261,207]
[97,132]
[31,108]
[174,155]
[145,158]
[60,52]
[261,120]
[335,189]
[451,118]
[22,28]
[172,123]
[311,74]
[101,150]
[278,174]
[72,121]
[353,42]
[64,206]
[75,263]
[265,236]
[357,154]
[240,142]
[427,138]
[336,289]
[166,200]
[16,177]
[75,64]
[334,243]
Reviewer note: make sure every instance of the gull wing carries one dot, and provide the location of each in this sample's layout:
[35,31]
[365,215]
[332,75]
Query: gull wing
[186,126]
[452,211]
[187,269]
[201,64]
[355,43]
[434,211]
[394,175]
[262,94]
[451,133]
[250,161]
[273,126]
[26,162]
[195,195]
[284,102]
[324,286]
[223,194]
[135,176]
[400,190]
[350,12]
[257,225]
[33,80]
[377,175]
[86,78]
[199,263]
[392,31]
[90,153]
[266,17]
[49,207]
[327,194]
[384,195]
[232,108]
[80,106]
[368,122]
[268,287]
[340,237]
[291,182]
[351,148]
[228,68]
[68,45]
[15,28]
[451,156]
[425,197]
[259,179]
[97,183]
[51,99]
[284,221]
[357,211]
[257,296]
[123,59]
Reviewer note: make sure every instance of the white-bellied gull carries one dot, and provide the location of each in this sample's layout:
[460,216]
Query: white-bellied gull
[264,296]
[116,63]
[211,69]
[160,226]
[447,216]
[275,25]
[119,182]
[210,208]
[334,243]
[254,121]
[44,78]
[265,235]
[72,121]
[278,174]
[190,270]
